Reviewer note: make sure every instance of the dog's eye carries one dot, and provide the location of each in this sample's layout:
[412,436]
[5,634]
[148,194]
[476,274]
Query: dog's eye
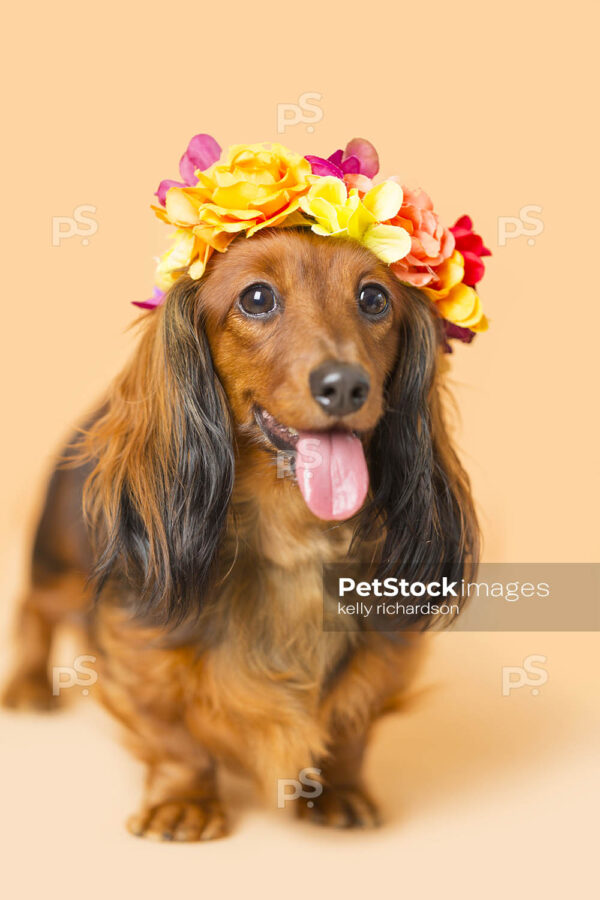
[258,300]
[373,300]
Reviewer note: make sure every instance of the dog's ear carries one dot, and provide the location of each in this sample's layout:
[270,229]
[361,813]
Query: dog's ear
[421,493]
[157,499]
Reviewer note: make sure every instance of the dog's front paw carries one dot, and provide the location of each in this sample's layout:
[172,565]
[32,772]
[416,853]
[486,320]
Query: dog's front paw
[345,806]
[29,691]
[181,820]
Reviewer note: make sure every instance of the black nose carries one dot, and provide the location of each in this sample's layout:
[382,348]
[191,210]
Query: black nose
[339,388]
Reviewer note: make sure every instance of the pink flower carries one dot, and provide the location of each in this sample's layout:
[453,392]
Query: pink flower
[431,242]
[152,302]
[472,248]
[201,153]
[359,158]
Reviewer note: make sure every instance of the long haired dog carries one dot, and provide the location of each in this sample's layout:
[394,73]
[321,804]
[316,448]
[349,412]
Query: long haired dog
[207,567]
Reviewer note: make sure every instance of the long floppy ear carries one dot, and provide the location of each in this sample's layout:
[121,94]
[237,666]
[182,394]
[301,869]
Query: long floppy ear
[157,499]
[421,493]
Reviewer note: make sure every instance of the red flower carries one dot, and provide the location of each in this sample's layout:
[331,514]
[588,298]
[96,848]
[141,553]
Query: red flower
[455,332]
[472,248]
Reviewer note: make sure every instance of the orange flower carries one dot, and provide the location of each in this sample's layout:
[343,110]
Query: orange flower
[432,243]
[254,186]
[457,302]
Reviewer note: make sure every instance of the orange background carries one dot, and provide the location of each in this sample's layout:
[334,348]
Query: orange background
[490,109]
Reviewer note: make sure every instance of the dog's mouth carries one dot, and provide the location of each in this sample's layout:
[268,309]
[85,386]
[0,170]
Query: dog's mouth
[330,466]
[281,437]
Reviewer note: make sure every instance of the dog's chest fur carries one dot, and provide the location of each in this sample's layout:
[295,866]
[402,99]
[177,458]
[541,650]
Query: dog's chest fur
[251,688]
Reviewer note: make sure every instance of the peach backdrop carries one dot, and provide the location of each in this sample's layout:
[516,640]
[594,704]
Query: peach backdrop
[489,107]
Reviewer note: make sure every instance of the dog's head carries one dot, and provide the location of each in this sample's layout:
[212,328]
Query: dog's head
[288,339]
[304,335]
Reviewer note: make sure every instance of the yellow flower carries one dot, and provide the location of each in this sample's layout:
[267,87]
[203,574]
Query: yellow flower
[252,187]
[456,301]
[186,251]
[339,212]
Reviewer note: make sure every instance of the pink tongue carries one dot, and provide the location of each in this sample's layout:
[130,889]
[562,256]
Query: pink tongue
[332,473]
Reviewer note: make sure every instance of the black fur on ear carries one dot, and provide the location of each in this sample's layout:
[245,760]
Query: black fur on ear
[421,497]
[158,497]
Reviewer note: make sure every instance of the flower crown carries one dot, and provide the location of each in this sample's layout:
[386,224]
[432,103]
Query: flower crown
[255,186]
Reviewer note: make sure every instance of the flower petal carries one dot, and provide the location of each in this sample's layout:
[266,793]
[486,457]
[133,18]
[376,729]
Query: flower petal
[181,251]
[360,221]
[455,332]
[448,276]
[474,268]
[359,182]
[388,242]
[322,166]
[201,153]
[366,154]
[164,186]
[337,157]
[480,326]
[462,226]
[196,270]
[384,200]
[180,207]
[215,237]
[331,189]
[474,320]
[152,302]
[318,229]
[351,166]
[406,273]
[472,242]
[177,257]
[323,211]
[462,306]
[293,219]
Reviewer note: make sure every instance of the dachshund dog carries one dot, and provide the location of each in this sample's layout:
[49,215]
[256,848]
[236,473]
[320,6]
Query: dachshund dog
[200,569]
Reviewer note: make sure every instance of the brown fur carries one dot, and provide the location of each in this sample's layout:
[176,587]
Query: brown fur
[247,677]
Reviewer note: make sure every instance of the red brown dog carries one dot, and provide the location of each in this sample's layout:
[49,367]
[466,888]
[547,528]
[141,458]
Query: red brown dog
[207,567]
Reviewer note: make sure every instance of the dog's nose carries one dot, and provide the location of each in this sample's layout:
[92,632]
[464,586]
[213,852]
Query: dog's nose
[339,388]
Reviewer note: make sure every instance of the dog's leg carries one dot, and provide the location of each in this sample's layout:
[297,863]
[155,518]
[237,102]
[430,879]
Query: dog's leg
[42,610]
[29,687]
[344,801]
[375,681]
[154,692]
[181,804]
[60,561]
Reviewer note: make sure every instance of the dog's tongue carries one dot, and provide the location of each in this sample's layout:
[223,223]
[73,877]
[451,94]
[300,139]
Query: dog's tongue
[332,473]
